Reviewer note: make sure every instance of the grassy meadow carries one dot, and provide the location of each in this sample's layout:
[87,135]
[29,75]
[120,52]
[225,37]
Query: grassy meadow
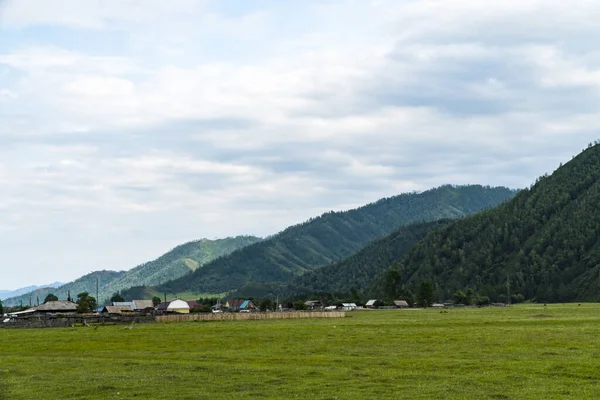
[523,352]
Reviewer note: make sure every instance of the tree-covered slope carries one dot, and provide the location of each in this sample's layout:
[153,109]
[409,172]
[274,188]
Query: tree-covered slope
[544,244]
[173,264]
[333,236]
[353,272]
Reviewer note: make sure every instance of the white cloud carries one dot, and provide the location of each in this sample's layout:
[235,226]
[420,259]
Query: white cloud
[208,124]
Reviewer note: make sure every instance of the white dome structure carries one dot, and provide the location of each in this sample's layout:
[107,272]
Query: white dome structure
[178,306]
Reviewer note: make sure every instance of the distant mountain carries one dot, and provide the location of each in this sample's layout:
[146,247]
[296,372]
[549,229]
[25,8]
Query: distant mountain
[543,244]
[177,262]
[333,236]
[354,272]
[5,294]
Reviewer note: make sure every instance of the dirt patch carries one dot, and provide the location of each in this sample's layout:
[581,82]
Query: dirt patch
[542,316]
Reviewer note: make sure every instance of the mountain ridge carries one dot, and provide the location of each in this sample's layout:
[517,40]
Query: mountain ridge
[333,236]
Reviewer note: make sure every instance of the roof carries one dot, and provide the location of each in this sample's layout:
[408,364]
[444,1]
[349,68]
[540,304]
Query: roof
[195,304]
[117,309]
[400,303]
[123,304]
[371,303]
[142,304]
[349,305]
[235,303]
[60,305]
[17,313]
[312,302]
[245,304]
[178,305]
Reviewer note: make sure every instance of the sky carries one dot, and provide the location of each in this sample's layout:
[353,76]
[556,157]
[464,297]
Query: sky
[128,127]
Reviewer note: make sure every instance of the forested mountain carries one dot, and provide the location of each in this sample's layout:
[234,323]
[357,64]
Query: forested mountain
[177,262]
[354,272]
[333,236]
[543,244]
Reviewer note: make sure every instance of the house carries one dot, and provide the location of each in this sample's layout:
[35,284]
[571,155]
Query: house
[56,307]
[349,306]
[437,305]
[371,304]
[401,303]
[239,305]
[143,305]
[313,304]
[178,306]
[247,305]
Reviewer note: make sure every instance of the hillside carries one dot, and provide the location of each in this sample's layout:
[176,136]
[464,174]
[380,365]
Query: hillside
[333,236]
[545,242]
[175,263]
[86,283]
[354,272]
[4,294]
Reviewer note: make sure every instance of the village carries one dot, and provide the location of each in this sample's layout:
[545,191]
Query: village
[58,313]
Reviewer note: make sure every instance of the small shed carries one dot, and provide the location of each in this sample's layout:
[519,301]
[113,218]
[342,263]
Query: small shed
[371,304]
[178,306]
[313,304]
[401,303]
[349,306]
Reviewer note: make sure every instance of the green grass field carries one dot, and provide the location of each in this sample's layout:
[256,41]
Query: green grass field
[524,352]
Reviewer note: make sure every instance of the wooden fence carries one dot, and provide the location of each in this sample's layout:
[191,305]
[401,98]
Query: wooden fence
[248,316]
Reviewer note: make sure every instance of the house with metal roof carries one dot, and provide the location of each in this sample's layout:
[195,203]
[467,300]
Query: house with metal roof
[349,306]
[239,305]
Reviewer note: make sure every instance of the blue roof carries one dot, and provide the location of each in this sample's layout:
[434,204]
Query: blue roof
[244,304]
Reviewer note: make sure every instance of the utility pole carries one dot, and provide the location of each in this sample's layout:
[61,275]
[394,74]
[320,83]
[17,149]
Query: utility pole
[508,288]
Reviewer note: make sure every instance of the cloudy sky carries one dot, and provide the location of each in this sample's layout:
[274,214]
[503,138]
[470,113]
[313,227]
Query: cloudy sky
[130,126]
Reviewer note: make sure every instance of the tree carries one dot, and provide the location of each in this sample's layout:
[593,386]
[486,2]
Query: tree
[85,303]
[1,308]
[461,298]
[299,305]
[156,300]
[116,298]
[425,294]
[50,297]
[266,304]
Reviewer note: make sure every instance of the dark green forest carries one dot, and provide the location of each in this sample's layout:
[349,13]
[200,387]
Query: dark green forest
[544,244]
[332,237]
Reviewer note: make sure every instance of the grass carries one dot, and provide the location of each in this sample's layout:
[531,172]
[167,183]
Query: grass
[524,352]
